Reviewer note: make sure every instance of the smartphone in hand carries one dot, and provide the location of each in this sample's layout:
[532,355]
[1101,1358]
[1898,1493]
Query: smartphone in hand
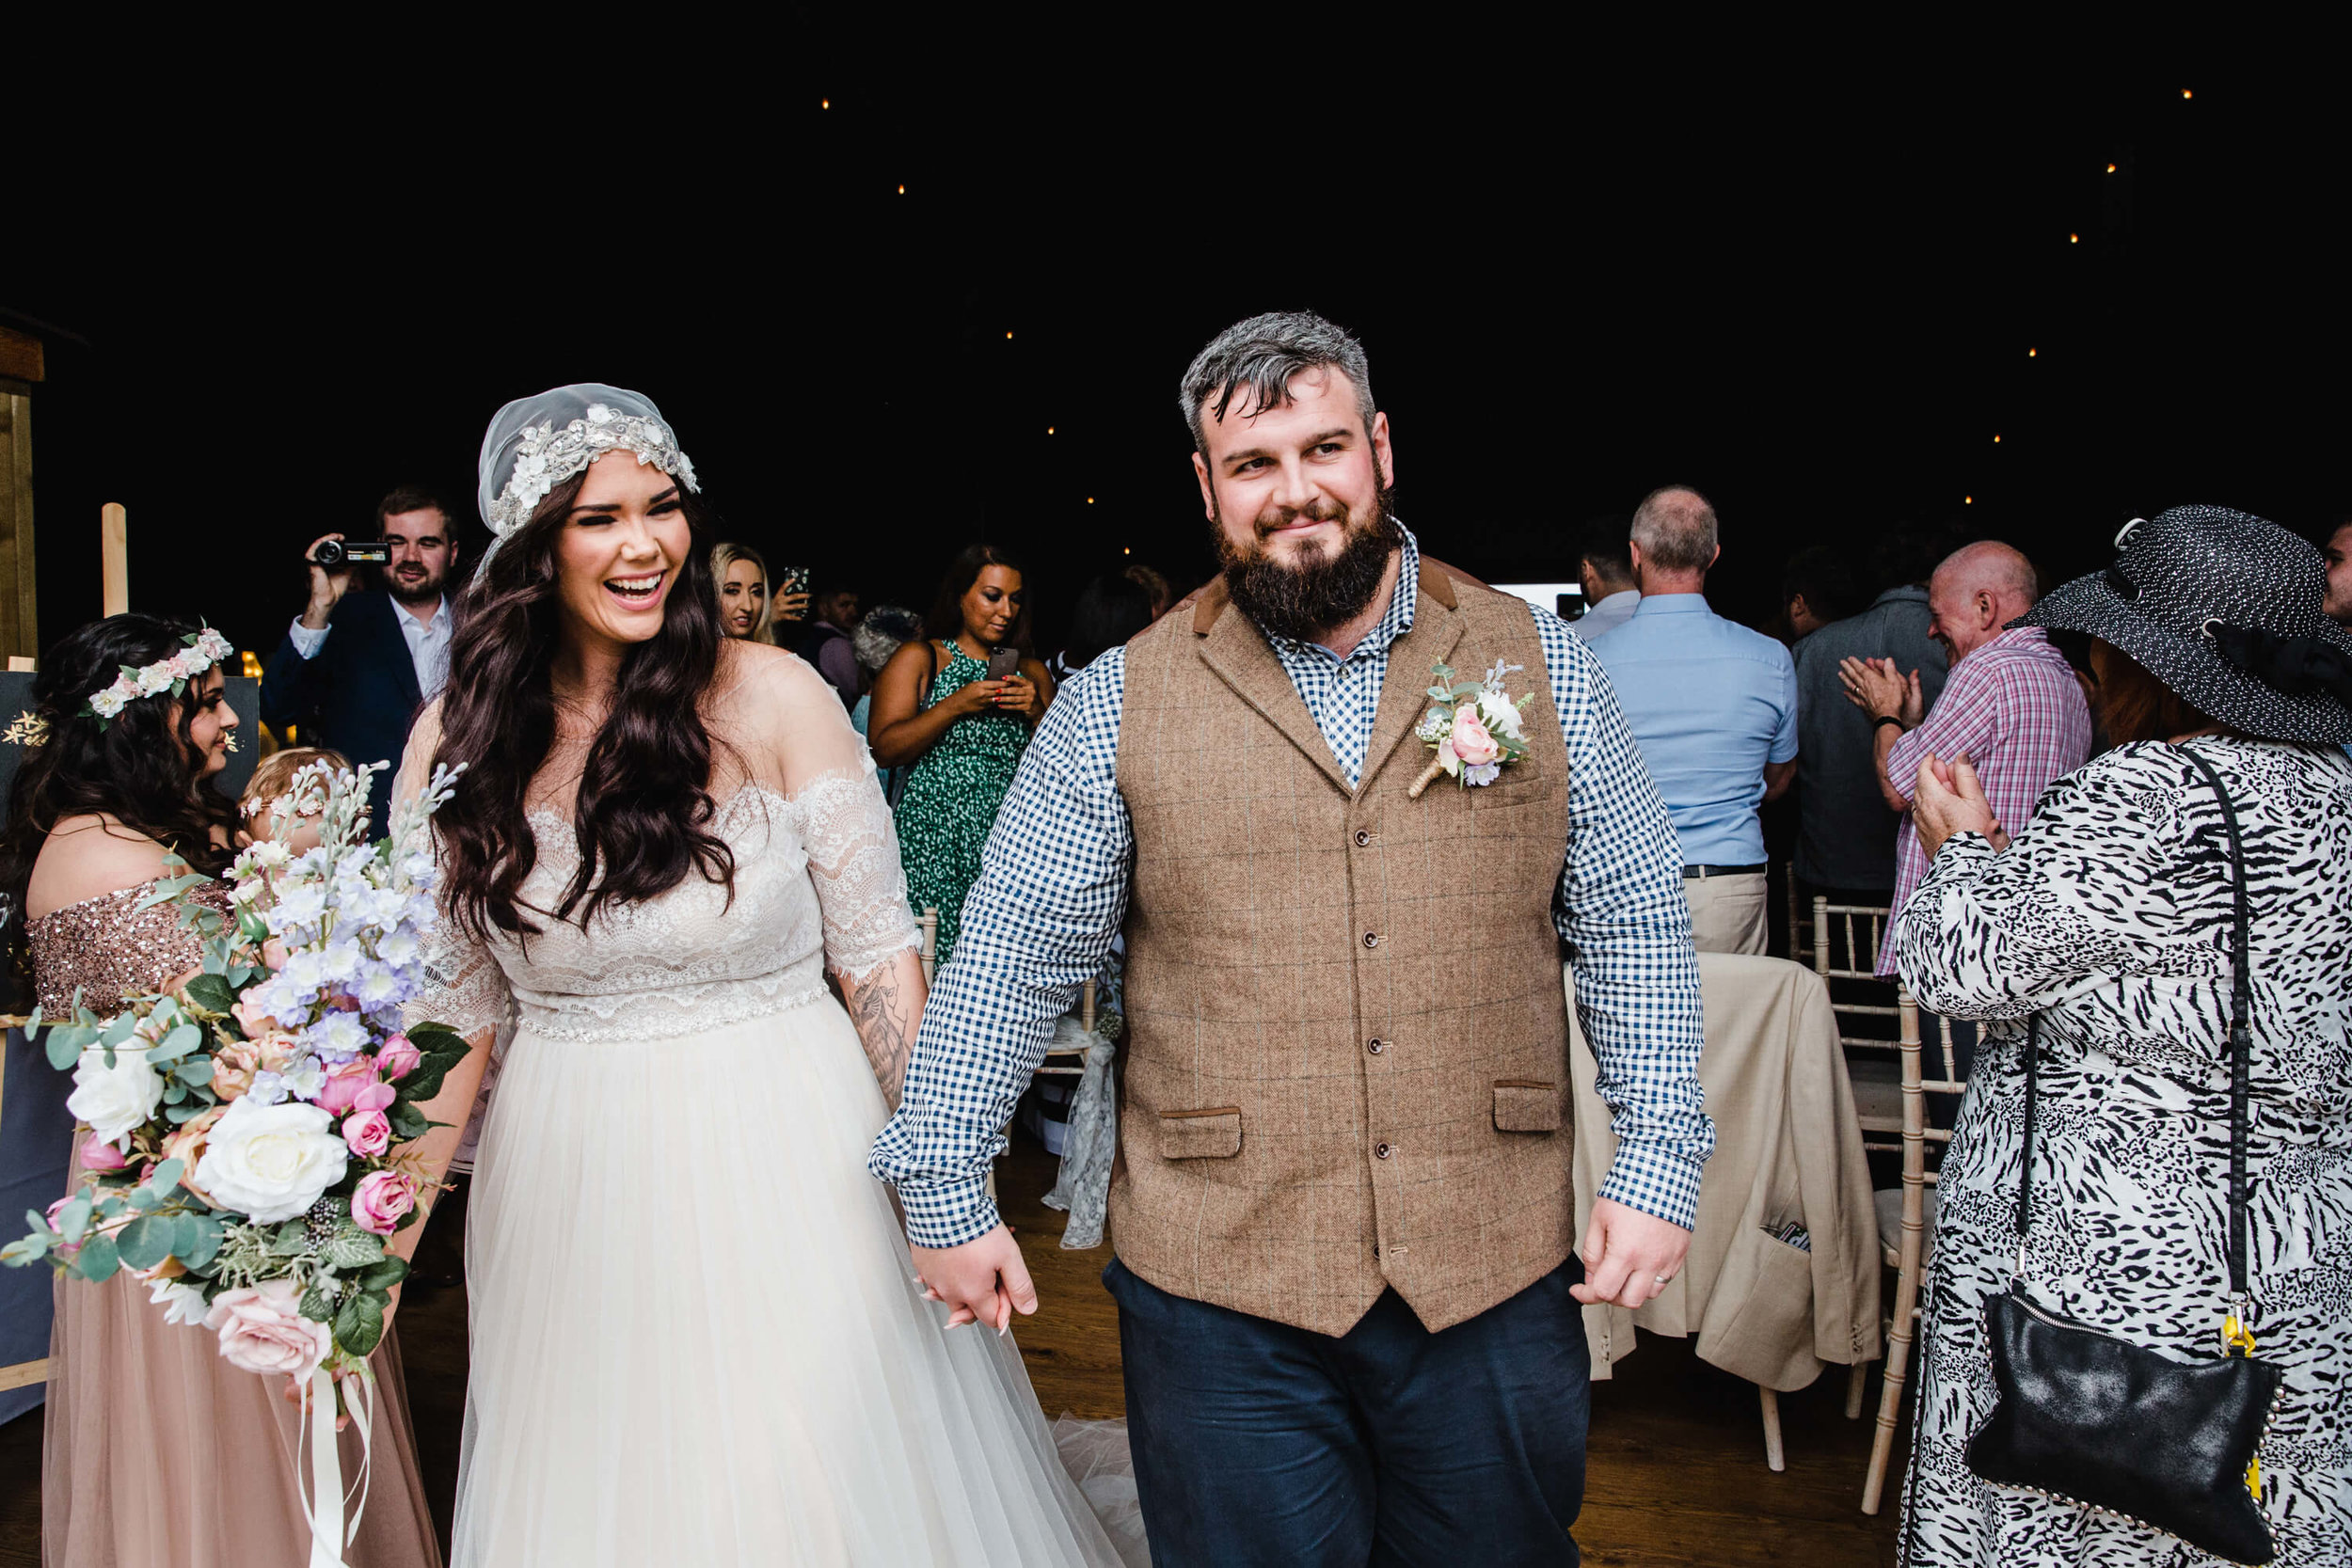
[791,579]
[1003,664]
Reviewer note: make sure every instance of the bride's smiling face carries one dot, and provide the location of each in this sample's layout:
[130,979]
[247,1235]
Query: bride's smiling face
[622,546]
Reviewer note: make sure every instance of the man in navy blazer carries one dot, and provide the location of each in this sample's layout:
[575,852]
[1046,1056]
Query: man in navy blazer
[354,667]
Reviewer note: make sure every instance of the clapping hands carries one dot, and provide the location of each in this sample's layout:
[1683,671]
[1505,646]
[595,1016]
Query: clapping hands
[1883,691]
[1951,800]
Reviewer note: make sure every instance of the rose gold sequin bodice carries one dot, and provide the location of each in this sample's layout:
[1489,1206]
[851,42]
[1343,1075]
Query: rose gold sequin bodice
[111,948]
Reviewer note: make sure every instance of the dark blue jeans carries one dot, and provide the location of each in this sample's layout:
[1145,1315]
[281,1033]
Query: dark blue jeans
[1259,1443]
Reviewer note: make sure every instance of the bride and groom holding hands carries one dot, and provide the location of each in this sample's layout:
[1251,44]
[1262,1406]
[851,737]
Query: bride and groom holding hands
[1346,1273]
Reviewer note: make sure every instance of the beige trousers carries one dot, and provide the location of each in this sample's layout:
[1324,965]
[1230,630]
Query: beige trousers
[1728,913]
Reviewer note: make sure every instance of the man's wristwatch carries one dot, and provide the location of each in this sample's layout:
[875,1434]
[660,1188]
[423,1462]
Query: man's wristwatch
[1886,719]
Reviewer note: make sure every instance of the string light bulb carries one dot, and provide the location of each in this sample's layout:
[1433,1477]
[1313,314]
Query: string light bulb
[2185,93]
[1049,430]
[824,103]
[903,190]
[2073,239]
[1126,549]
[1008,337]
[1967,500]
[2110,168]
[2031,352]
[1996,439]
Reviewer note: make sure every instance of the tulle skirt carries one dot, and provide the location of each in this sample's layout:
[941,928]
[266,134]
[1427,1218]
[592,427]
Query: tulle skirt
[158,1452]
[696,1336]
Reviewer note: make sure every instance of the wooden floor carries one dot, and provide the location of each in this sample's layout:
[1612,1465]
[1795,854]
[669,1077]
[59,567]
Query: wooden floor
[1676,1472]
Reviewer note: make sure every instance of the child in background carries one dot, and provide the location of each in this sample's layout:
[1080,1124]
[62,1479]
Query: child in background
[268,803]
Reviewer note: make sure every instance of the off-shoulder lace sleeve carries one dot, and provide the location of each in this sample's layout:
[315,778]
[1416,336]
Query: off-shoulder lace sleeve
[852,849]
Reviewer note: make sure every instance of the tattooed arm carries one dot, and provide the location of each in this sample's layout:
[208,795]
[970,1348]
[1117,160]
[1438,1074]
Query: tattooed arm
[886,1006]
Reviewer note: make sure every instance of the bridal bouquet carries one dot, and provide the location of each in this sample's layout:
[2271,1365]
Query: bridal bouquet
[252,1144]
[1472,728]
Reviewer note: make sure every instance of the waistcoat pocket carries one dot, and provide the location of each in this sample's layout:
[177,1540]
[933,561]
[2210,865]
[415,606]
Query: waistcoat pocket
[1526,1106]
[1211,1135]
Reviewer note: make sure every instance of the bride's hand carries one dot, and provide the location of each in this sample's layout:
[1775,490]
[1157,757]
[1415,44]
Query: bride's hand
[981,1282]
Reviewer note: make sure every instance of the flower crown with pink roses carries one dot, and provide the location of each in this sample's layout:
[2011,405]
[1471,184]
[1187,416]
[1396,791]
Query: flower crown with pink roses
[171,675]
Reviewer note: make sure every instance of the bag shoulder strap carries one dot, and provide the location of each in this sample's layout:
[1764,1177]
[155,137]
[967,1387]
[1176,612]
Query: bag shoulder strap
[923,697]
[2241,1052]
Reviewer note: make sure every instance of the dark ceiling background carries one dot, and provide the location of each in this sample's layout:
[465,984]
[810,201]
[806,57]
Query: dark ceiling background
[1818,301]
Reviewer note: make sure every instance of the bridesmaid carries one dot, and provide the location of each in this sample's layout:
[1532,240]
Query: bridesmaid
[157,1450]
[935,708]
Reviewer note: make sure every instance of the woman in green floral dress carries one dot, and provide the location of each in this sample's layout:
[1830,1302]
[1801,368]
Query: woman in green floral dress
[934,707]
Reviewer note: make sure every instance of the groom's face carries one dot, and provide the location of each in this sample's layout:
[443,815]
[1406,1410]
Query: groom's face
[1290,484]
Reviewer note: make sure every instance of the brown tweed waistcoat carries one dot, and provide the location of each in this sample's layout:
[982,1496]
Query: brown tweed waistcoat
[1347,1061]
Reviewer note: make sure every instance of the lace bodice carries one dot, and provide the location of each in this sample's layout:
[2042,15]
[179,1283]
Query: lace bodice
[818,881]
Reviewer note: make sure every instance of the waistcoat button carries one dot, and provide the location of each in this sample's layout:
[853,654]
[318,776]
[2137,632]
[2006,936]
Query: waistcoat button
[1363,836]
[1372,938]
[1376,1046]
[1380,1151]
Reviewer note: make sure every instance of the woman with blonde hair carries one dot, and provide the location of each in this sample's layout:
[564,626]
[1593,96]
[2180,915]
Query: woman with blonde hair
[739,574]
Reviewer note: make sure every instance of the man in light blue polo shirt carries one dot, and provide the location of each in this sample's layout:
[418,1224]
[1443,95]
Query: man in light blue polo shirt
[1713,707]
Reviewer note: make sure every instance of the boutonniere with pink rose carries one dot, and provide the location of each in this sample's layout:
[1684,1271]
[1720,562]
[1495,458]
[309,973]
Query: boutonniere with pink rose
[1473,728]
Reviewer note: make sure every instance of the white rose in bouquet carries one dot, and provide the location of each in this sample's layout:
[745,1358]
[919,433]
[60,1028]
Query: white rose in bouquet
[1499,713]
[116,1101]
[271,1162]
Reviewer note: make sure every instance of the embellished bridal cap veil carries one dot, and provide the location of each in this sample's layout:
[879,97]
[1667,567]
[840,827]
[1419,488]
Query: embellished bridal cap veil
[537,443]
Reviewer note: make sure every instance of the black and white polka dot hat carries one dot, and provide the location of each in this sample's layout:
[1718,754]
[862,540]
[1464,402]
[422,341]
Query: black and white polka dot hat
[2224,608]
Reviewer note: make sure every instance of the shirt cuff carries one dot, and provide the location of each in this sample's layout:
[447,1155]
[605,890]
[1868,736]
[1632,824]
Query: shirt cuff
[307,640]
[950,1213]
[1660,1182]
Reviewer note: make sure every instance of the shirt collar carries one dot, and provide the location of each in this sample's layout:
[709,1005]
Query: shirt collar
[439,619]
[1399,619]
[1672,604]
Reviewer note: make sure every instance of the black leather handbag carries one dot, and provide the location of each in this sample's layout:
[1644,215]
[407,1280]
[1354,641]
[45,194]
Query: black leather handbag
[2088,1418]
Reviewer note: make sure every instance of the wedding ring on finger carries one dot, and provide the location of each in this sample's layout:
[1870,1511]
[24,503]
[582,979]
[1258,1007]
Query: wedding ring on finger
[1660,1279]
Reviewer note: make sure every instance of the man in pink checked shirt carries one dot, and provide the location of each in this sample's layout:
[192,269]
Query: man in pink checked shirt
[2011,706]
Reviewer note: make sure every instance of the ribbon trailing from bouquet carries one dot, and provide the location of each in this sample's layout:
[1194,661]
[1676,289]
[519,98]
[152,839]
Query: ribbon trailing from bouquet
[1088,1148]
[329,1534]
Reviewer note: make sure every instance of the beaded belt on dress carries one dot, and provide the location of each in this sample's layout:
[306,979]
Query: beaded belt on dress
[663,1013]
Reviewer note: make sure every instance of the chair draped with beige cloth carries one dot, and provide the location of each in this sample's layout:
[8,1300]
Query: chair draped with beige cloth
[1788,1153]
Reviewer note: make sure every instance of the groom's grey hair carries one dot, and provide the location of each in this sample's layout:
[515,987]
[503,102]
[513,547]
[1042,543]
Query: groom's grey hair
[1260,356]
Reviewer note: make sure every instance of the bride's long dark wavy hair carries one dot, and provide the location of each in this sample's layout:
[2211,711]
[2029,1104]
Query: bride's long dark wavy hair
[142,767]
[644,815]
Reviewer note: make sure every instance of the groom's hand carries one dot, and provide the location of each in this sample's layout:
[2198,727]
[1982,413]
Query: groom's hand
[1628,1255]
[981,1282]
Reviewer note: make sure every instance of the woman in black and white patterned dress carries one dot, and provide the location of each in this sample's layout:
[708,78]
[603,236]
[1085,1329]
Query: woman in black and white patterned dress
[2110,918]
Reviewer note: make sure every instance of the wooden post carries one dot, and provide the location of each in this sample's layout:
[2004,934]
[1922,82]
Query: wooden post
[113,523]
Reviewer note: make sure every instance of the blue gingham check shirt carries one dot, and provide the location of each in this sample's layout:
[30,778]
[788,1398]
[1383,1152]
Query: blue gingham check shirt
[1053,890]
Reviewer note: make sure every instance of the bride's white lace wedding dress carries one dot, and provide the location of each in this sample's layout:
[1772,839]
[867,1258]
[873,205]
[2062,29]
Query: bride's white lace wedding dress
[696,1338]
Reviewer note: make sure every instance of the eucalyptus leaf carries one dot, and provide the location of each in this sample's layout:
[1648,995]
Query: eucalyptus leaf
[110,1205]
[145,1242]
[185,1112]
[73,1219]
[119,1031]
[96,1260]
[195,1072]
[167,1177]
[359,1324]
[175,1092]
[206,1246]
[64,1049]
[28,1249]
[182,1039]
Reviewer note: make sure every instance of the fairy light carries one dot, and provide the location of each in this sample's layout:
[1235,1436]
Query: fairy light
[2031,352]
[1089,500]
[1126,549]
[2185,93]
[1049,430]
[1008,337]
[1997,440]
[2110,168]
[1967,500]
[2073,239]
[903,190]
[824,103]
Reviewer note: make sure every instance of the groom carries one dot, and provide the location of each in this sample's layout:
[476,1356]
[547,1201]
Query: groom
[1347,1279]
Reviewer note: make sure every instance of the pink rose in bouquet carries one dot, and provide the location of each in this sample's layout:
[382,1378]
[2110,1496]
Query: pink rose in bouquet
[398,1057]
[263,1330]
[353,1086]
[383,1198]
[367,1132]
[1470,741]
[98,1154]
[274,953]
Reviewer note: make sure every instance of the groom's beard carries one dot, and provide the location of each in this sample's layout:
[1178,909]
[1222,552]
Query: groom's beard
[1304,602]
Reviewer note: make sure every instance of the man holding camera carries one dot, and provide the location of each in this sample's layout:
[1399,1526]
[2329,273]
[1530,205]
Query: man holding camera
[354,667]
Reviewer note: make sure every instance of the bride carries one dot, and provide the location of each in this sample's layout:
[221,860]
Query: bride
[695,1336]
